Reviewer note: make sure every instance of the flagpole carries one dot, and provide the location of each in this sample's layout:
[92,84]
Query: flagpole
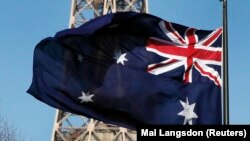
[225,65]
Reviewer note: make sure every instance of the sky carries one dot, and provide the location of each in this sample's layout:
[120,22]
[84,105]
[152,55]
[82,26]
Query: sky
[24,23]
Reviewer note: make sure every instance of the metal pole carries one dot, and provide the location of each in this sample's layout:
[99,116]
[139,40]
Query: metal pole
[225,65]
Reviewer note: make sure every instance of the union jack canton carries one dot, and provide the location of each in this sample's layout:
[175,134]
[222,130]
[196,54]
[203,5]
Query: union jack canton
[199,51]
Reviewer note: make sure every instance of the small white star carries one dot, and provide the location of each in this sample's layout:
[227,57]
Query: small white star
[79,58]
[121,59]
[86,97]
[188,112]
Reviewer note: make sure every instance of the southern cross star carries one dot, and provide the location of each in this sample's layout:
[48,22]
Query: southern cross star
[121,59]
[188,112]
[80,58]
[86,97]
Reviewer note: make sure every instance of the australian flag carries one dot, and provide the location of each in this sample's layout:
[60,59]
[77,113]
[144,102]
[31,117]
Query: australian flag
[130,69]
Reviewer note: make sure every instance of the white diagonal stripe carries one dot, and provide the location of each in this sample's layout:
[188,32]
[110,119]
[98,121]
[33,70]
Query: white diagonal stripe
[166,68]
[202,41]
[165,55]
[170,34]
[212,71]
[163,62]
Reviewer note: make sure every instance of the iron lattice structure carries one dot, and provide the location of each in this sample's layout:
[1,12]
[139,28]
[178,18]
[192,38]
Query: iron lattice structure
[71,127]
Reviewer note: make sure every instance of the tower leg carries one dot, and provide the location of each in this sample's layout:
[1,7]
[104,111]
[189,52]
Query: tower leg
[71,127]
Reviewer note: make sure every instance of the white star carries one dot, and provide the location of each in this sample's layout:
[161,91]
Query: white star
[79,58]
[188,112]
[86,97]
[121,59]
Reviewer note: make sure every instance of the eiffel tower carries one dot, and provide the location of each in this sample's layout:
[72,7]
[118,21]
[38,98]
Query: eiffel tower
[71,127]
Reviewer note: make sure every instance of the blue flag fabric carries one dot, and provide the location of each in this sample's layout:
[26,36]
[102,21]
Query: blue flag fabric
[131,68]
